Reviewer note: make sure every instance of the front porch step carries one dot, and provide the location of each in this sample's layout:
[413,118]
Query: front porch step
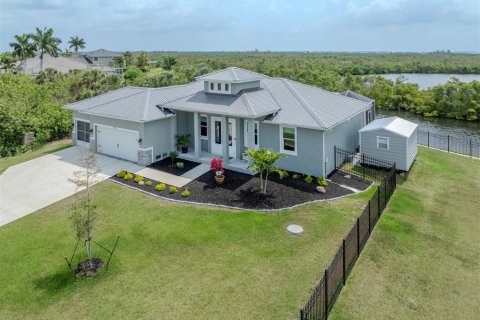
[196,172]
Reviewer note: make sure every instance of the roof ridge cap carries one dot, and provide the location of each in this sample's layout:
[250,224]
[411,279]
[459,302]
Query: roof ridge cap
[273,97]
[233,73]
[247,104]
[304,104]
[147,100]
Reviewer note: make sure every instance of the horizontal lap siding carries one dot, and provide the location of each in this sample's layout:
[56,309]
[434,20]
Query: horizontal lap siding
[309,149]
[396,153]
[158,134]
[345,136]
[411,149]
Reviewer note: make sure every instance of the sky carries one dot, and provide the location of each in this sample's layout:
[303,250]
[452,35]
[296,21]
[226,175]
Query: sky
[241,25]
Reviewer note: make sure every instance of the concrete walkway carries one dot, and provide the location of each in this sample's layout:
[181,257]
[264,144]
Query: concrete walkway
[196,172]
[35,184]
[170,179]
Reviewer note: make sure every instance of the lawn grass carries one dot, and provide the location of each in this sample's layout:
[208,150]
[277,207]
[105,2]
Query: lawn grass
[173,261]
[422,261]
[29,155]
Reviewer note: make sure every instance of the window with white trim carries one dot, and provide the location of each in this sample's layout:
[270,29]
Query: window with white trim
[83,131]
[95,58]
[226,86]
[383,143]
[245,133]
[288,140]
[219,86]
[203,126]
[212,86]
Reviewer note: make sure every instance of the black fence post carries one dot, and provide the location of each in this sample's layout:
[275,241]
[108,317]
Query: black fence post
[379,205]
[369,222]
[358,237]
[334,157]
[302,317]
[448,143]
[428,139]
[326,294]
[363,165]
[385,195]
[344,269]
[470,148]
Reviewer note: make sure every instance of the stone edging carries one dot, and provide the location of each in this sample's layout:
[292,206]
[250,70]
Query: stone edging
[230,207]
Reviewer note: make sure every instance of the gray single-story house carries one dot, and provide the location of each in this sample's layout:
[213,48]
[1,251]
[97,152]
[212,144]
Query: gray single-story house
[392,139]
[226,112]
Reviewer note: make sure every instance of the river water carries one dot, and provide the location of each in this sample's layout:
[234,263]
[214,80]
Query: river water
[429,80]
[452,127]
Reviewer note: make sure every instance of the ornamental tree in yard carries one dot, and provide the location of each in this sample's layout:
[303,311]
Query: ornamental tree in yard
[83,210]
[263,161]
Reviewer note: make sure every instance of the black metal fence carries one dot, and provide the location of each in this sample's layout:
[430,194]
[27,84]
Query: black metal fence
[361,165]
[327,290]
[465,146]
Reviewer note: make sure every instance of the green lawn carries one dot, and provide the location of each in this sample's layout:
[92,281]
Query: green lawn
[422,261]
[29,155]
[173,261]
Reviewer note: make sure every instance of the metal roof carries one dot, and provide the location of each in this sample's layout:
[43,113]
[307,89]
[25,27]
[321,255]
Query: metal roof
[355,95]
[102,53]
[232,74]
[393,124]
[280,101]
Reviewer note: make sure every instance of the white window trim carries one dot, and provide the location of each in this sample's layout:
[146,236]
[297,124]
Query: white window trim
[80,142]
[378,142]
[203,137]
[245,134]
[292,153]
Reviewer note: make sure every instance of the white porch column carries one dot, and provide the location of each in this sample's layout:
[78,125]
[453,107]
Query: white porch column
[197,144]
[224,136]
[250,136]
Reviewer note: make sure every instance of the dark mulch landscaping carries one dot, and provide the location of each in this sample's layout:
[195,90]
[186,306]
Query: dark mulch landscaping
[354,181]
[88,267]
[165,165]
[242,191]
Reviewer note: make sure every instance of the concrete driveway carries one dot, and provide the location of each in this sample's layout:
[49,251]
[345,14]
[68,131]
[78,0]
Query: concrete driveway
[35,184]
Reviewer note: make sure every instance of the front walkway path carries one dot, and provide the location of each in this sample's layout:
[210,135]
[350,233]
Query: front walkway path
[196,172]
[170,179]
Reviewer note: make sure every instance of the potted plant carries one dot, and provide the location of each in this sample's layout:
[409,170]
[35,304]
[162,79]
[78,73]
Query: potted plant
[182,142]
[216,165]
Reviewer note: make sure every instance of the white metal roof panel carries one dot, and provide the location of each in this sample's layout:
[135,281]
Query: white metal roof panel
[393,124]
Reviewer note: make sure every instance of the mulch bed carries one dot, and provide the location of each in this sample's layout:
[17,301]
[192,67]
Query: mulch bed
[87,268]
[165,165]
[242,191]
[353,181]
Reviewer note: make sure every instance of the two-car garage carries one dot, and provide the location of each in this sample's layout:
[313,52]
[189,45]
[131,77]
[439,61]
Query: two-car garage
[117,142]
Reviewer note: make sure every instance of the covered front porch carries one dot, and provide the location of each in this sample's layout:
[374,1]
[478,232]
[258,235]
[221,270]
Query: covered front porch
[217,136]
[206,157]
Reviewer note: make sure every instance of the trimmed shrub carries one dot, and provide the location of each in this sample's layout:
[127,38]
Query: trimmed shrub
[173,189]
[180,165]
[121,174]
[160,187]
[283,174]
[185,193]
[148,183]
[138,178]
[295,176]
[322,181]
[308,179]
[128,176]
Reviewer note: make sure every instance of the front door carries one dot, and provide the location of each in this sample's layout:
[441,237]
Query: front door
[217,138]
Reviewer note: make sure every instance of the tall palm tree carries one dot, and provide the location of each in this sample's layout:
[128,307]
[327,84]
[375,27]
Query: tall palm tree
[22,48]
[45,42]
[76,43]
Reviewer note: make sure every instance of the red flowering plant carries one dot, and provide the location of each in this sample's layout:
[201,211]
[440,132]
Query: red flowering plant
[216,165]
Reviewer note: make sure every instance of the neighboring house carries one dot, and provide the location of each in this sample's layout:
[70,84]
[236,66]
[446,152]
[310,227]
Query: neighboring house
[392,139]
[100,57]
[31,66]
[226,112]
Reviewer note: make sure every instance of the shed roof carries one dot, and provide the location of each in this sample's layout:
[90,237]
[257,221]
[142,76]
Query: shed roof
[393,124]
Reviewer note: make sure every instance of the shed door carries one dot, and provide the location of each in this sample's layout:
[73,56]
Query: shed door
[117,142]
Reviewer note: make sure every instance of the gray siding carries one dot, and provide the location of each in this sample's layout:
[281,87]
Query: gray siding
[237,87]
[309,149]
[157,134]
[411,149]
[397,147]
[185,124]
[345,135]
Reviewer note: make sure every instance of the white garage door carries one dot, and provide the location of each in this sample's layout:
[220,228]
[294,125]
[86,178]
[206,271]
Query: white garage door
[116,142]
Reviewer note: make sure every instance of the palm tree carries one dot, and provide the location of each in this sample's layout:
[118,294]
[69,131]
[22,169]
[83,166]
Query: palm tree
[76,43]
[7,62]
[45,42]
[23,48]
[262,161]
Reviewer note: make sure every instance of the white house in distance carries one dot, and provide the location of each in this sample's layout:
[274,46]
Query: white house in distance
[392,139]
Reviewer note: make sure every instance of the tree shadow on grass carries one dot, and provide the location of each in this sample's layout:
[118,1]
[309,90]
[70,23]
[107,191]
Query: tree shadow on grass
[56,282]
